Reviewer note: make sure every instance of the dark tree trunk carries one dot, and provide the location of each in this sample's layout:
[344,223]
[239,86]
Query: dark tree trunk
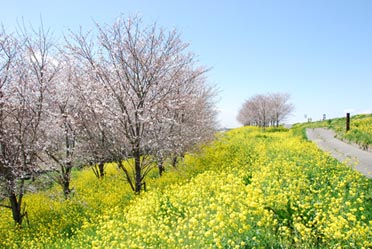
[66,180]
[160,162]
[174,161]
[16,208]
[66,189]
[99,170]
[161,167]
[101,167]
[137,168]
[16,202]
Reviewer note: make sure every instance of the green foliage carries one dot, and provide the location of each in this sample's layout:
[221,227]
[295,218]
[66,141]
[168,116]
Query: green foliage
[276,129]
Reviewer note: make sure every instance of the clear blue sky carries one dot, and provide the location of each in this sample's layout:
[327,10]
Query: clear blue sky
[318,51]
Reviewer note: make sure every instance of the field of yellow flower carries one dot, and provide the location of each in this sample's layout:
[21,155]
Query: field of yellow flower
[248,189]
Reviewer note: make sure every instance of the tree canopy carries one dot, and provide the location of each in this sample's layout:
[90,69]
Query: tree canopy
[265,109]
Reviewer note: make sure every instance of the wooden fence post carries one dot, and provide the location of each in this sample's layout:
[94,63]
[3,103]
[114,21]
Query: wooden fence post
[347,121]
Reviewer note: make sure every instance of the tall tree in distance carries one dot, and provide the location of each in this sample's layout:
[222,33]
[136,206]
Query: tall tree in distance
[265,110]
[280,107]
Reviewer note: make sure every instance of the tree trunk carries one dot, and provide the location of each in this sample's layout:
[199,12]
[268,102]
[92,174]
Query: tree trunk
[66,181]
[277,120]
[160,162]
[101,167]
[161,167]
[137,168]
[127,174]
[99,170]
[66,189]
[16,208]
[174,161]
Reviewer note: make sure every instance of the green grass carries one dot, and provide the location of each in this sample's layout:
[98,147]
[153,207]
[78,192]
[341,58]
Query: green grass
[360,129]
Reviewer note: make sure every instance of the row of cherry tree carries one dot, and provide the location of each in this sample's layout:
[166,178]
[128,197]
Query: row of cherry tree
[265,110]
[121,91]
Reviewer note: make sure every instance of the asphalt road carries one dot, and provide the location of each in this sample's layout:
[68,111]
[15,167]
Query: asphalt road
[357,158]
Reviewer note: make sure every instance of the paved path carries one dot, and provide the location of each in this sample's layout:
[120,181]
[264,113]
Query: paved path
[349,154]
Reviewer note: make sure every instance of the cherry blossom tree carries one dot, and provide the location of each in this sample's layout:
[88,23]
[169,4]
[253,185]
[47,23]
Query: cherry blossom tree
[281,108]
[265,110]
[26,72]
[61,128]
[10,157]
[191,120]
[138,71]
[97,137]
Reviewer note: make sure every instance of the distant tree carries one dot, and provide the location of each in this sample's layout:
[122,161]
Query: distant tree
[246,115]
[280,107]
[265,110]
[138,71]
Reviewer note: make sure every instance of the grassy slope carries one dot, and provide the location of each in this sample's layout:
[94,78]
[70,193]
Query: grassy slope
[360,129]
[249,188]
